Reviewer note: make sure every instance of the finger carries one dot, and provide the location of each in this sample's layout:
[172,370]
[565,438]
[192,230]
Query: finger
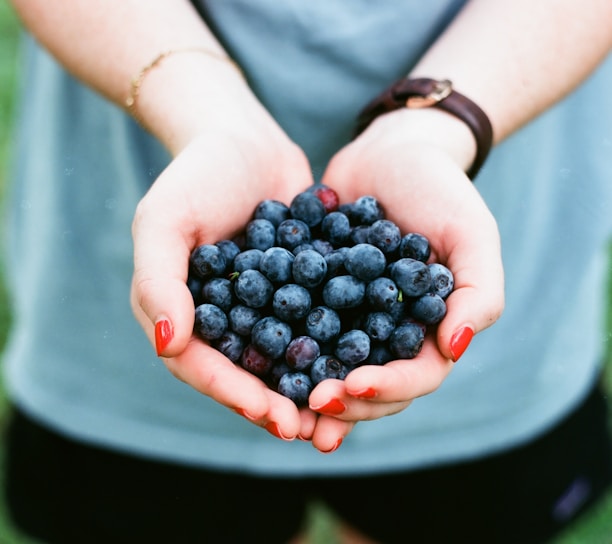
[160,298]
[399,381]
[332,398]
[477,300]
[329,433]
[282,419]
[211,373]
[308,422]
[371,392]
[167,226]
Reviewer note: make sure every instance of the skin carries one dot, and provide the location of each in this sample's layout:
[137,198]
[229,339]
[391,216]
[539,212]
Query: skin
[229,154]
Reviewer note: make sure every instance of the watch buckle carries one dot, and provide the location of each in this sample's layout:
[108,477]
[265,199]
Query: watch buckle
[441,90]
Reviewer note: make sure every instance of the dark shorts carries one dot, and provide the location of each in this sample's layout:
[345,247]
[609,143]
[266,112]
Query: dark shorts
[64,492]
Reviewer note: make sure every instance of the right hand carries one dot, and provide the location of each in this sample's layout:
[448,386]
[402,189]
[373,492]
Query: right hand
[206,194]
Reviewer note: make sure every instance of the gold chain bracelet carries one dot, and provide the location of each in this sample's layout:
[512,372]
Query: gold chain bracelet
[130,102]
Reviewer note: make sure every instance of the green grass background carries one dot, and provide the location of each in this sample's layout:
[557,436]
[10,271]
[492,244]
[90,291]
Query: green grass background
[594,528]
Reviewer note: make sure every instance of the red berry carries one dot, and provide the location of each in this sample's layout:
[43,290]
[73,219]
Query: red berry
[328,196]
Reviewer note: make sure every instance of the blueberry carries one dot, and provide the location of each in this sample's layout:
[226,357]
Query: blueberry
[346,208]
[272,210]
[260,234]
[342,292]
[415,246]
[411,276]
[253,289]
[323,324]
[365,261]
[291,233]
[327,195]
[442,279]
[335,262]
[353,347]
[256,362]
[242,318]
[307,207]
[230,249]
[271,336]
[231,345]
[385,235]
[309,268]
[279,369]
[379,325]
[328,367]
[383,294]
[276,263]
[207,261]
[194,284]
[302,247]
[301,352]
[406,340]
[380,354]
[291,302]
[359,235]
[210,321]
[366,210]
[220,292]
[336,228]
[428,309]
[248,259]
[374,295]
[322,246]
[296,386]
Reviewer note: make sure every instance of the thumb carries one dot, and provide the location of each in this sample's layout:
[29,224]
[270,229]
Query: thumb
[160,298]
[477,300]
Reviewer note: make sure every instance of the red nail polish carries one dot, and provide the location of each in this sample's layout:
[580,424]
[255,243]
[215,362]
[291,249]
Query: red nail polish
[333,408]
[334,447]
[163,335]
[273,428]
[460,341]
[368,393]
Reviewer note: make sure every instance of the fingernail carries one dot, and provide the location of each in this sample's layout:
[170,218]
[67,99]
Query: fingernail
[334,447]
[460,341]
[368,393]
[163,335]
[242,412]
[273,428]
[334,407]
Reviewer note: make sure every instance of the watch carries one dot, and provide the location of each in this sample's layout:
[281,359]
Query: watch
[432,93]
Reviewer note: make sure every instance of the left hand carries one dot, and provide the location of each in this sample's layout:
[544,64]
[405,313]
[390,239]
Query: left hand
[423,188]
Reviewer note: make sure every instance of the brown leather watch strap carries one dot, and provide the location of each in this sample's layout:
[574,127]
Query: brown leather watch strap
[425,92]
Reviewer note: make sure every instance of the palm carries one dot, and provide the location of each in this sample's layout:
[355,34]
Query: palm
[207,194]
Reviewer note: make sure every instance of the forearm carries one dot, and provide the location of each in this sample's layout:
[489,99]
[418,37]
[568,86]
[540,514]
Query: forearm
[105,44]
[516,58]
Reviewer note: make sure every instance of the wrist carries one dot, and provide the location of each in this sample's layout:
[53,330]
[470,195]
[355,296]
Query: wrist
[424,127]
[426,93]
[187,94]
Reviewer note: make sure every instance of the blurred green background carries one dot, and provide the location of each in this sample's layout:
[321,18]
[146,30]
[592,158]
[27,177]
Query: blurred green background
[594,528]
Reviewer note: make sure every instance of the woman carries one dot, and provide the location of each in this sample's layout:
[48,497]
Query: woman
[238,102]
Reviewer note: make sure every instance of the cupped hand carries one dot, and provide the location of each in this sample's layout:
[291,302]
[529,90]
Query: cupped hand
[206,194]
[422,187]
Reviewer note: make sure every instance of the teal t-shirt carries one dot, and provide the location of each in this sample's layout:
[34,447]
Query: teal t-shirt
[78,362]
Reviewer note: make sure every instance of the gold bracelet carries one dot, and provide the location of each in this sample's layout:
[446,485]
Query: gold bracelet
[130,102]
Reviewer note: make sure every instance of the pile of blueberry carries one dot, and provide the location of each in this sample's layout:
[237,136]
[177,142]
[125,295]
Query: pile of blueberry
[315,289]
